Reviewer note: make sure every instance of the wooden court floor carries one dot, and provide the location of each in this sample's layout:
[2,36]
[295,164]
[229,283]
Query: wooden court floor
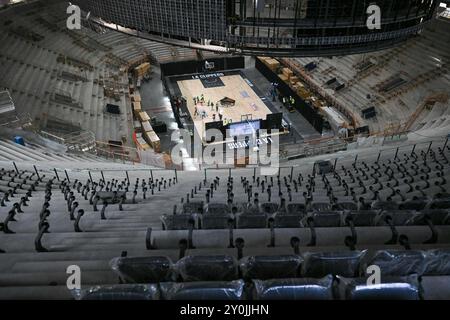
[236,88]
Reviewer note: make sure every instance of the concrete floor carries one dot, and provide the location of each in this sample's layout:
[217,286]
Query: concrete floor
[303,130]
[157,104]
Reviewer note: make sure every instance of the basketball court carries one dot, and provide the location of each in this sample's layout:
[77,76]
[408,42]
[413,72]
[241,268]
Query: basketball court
[247,105]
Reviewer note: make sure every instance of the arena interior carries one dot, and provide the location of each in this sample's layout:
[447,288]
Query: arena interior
[104,132]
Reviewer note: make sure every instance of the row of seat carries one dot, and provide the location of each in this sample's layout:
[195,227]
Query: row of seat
[352,264]
[327,288]
[438,201]
[323,219]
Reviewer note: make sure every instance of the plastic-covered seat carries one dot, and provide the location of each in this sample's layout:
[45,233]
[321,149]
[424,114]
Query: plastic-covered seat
[437,263]
[270,267]
[364,218]
[327,219]
[321,206]
[399,217]
[346,205]
[287,221]
[216,221]
[217,209]
[143,269]
[233,290]
[251,221]
[248,208]
[440,203]
[109,197]
[296,209]
[401,288]
[193,207]
[384,205]
[346,264]
[437,217]
[399,263]
[207,268]
[294,289]
[413,205]
[269,208]
[178,222]
[119,292]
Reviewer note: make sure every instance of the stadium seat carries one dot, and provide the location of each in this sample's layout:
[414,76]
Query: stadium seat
[390,288]
[216,221]
[294,289]
[318,265]
[207,268]
[193,207]
[203,290]
[251,221]
[270,267]
[143,269]
[178,222]
[327,219]
[119,292]
[216,209]
[399,263]
[437,263]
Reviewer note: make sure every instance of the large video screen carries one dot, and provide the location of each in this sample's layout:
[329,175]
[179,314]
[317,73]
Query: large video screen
[246,128]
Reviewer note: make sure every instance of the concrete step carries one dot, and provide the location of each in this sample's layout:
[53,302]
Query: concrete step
[59,266]
[56,277]
[8,260]
[35,293]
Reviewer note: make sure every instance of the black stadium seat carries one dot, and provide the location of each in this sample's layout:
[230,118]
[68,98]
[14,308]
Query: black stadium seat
[193,207]
[364,218]
[270,267]
[233,290]
[296,208]
[437,216]
[287,220]
[120,292]
[384,205]
[269,208]
[327,219]
[346,264]
[291,218]
[399,263]
[346,206]
[294,289]
[437,263]
[321,206]
[216,209]
[413,205]
[399,217]
[390,288]
[207,268]
[251,221]
[178,222]
[143,269]
[216,221]
[441,203]
[216,216]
